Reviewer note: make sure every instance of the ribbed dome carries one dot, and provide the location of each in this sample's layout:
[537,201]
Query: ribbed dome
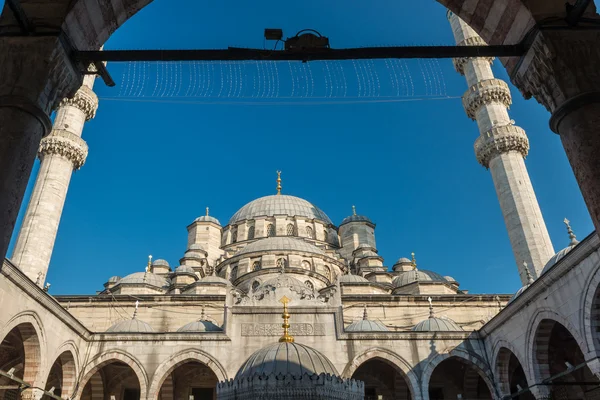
[145,278]
[518,293]
[131,326]
[557,257]
[365,325]
[279,205]
[286,358]
[207,218]
[356,218]
[200,326]
[114,279]
[288,243]
[433,324]
[160,262]
[409,277]
[351,278]
[403,260]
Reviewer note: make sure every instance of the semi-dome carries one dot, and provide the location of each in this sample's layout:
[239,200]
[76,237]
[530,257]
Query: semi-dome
[133,325]
[415,275]
[434,324]
[144,278]
[285,243]
[270,206]
[286,358]
[351,278]
[200,326]
[207,218]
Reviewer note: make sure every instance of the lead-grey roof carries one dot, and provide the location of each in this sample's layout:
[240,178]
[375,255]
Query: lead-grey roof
[144,277]
[409,277]
[356,218]
[160,262]
[351,278]
[130,325]
[518,293]
[200,326]
[286,358]
[279,205]
[557,257]
[276,243]
[207,218]
[365,325]
[433,324]
[214,279]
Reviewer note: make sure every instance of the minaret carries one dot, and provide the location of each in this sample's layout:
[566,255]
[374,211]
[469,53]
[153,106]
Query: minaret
[61,152]
[502,147]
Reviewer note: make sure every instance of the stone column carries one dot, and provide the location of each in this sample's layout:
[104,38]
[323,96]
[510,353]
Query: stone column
[502,147]
[35,73]
[61,152]
[561,71]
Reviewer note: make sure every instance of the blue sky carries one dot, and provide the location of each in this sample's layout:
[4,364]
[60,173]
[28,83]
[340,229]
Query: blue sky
[405,161]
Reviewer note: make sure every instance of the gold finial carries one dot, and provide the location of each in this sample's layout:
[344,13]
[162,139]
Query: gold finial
[430,300]
[413,260]
[278,182]
[572,236]
[286,338]
[527,273]
[353,210]
[207,211]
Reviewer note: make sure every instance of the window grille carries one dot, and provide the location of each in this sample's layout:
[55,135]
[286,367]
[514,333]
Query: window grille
[270,230]
[251,232]
[256,266]
[255,285]
[306,265]
[309,232]
[281,263]
[291,230]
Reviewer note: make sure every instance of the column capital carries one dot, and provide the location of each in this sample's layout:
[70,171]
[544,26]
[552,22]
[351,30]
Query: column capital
[66,144]
[486,92]
[85,100]
[499,140]
[561,70]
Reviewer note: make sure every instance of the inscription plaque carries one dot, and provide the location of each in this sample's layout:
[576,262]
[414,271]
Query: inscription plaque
[275,329]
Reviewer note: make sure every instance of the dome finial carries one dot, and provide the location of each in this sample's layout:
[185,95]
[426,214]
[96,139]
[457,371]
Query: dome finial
[137,304]
[353,210]
[430,300]
[413,261]
[572,236]
[207,211]
[149,263]
[365,317]
[286,338]
[202,313]
[278,182]
[527,273]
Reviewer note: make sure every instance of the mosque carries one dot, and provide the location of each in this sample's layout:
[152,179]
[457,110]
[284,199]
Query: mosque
[280,302]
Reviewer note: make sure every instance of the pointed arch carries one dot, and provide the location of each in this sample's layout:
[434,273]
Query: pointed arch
[591,313]
[165,369]
[65,370]
[501,360]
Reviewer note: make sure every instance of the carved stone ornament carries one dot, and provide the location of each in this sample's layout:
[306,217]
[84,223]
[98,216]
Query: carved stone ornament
[459,63]
[85,100]
[66,144]
[486,92]
[499,140]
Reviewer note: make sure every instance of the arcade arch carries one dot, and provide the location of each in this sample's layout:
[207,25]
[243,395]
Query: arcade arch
[62,376]
[452,377]
[383,378]
[511,375]
[20,352]
[114,378]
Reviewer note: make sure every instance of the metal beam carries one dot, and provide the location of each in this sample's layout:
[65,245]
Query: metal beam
[240,54]
[20,16]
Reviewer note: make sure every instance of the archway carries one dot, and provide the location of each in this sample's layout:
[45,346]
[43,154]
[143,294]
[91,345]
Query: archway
[557,355]
[383,380]
[62,376]
[191,380]
[19,354]
[114,380]
[511,375]
[455,378]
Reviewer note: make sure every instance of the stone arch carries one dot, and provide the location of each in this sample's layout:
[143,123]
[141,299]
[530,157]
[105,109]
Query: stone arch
[501,362]
[27,325]
[62,374]
[108,357]
[165,369]
[391,358]
[590,320]
[462,356]
[535,371]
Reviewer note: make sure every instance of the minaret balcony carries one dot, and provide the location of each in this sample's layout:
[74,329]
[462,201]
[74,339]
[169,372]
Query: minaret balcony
[486,92]
[500,140]
[66,144]
[85,100]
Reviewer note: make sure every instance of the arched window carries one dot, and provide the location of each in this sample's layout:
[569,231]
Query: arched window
[291,230]
[310,233]
[234,236]
[251,232]
[281,263]
[256,266]
[325,235]
[233,274]
[328,272]
[255,285]
[270,230]
[309,285]
[306,265]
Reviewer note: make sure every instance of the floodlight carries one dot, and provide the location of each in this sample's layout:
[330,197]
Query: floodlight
[273,34]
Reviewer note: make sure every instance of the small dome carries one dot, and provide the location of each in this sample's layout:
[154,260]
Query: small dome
[145,278]
[270,206]
[450,279]
[160,262]
[200,326]
[434,324]
[518,293]
[557,257]
[365,325]
[196,247]
[420,275]
[286,358]
[114,279]
[207,218]
[185,269]
[214,279]
[131,326]
[403,260]
[356,218]
[286,243]
[351,278]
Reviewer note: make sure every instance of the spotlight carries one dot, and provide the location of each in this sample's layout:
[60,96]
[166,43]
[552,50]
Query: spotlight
[307,39]
[273,34]
[569,365]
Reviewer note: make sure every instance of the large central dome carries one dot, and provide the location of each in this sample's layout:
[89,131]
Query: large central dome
[279,205]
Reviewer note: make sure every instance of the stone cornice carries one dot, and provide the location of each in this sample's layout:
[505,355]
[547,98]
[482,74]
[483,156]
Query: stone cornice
[540,285]
[17,277]
[499,140]
[160,337]
[85,100]
[486,92]
[66,144]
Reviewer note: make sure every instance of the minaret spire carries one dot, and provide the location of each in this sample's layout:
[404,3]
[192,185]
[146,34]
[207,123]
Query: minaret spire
[278,182]
[572,236]
[502,147]
[430,300]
